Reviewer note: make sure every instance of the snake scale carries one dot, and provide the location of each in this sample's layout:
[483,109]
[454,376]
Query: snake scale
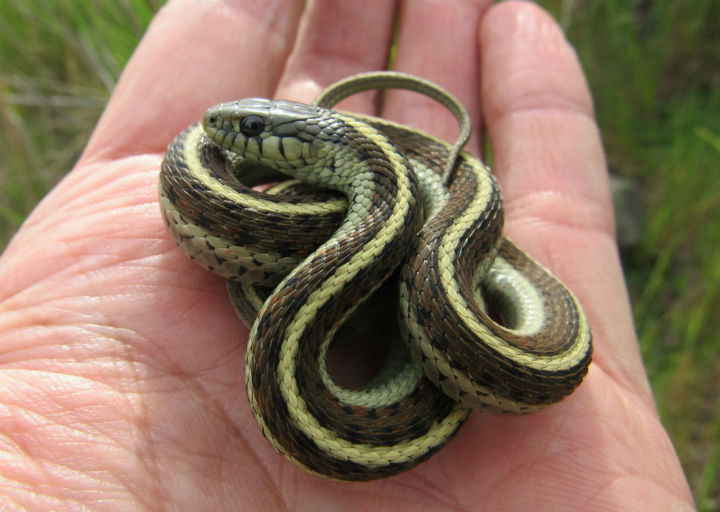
[482,325]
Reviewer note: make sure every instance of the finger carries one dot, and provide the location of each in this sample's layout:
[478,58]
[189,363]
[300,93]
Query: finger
[549,160]
[438,41]
[194,54]
[338,39]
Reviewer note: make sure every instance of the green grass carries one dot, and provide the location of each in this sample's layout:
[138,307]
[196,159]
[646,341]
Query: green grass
[59,61]
[654,69]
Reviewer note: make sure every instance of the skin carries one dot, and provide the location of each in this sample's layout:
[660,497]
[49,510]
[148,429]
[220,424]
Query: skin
[121,362]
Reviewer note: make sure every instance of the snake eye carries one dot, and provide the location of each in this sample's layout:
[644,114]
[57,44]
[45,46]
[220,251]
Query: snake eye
[252,125]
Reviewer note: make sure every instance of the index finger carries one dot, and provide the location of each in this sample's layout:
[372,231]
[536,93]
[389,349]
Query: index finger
[194,54]
[549,160]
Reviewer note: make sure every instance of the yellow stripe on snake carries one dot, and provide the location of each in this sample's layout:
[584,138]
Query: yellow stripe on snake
[486,326]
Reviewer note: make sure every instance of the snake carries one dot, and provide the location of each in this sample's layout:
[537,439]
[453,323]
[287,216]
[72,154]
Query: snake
[313,215]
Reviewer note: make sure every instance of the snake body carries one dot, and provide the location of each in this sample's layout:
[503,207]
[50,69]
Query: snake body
[486,325]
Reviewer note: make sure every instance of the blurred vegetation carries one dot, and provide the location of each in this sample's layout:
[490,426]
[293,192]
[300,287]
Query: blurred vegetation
[59,61]
[654,69]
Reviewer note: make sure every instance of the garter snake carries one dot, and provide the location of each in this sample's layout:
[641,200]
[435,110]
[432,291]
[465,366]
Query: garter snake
[487,326]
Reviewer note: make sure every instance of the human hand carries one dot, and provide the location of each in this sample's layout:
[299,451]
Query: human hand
[122,362]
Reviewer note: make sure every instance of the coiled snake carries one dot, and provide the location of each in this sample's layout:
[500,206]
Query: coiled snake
[487,326]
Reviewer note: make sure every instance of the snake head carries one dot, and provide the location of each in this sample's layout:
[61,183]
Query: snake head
[274,132]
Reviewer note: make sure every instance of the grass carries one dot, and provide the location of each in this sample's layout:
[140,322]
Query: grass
[60,61]
[654,70]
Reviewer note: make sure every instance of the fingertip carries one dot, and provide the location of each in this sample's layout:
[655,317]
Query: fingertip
[539,116]
[336,40]
[531,62]
[436,41]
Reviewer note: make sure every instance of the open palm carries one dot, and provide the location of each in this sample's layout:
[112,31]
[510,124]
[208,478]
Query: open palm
[121,362]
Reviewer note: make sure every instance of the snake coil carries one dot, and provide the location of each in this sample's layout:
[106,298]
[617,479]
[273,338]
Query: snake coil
[487,327]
